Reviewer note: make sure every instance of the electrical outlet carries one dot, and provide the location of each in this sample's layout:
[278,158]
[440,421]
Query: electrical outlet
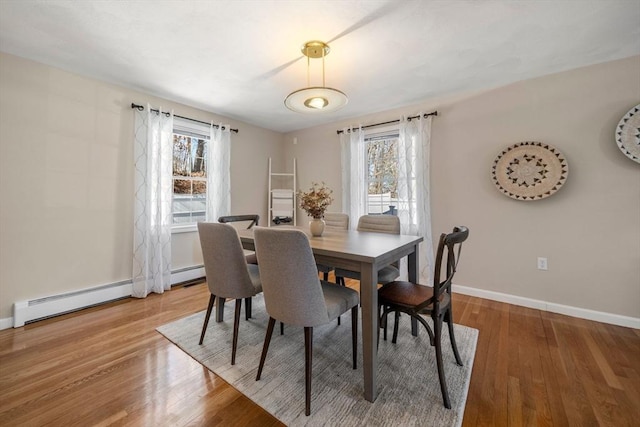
[542,263]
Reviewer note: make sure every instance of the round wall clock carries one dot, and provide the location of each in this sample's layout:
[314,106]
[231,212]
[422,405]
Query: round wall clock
[529,170]
[628,134]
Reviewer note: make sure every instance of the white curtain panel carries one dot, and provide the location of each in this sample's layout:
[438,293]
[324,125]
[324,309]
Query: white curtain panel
[354,185]
[414,191]
[153,158]
[219,173]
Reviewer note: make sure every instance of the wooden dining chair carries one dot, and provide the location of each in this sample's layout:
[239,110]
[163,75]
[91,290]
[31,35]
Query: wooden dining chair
[389,224]
[417,300]
[252,220]
[295,295]
[228,274]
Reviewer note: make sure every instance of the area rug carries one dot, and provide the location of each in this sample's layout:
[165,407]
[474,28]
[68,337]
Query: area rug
[408,387]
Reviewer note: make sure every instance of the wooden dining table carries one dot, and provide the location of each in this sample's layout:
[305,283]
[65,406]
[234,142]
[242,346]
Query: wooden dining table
[365,252]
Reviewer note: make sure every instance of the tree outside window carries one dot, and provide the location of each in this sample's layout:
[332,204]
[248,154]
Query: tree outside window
[382,173]
[189,178]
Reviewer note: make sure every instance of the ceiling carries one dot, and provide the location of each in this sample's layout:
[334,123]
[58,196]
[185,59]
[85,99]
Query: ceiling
[240,59]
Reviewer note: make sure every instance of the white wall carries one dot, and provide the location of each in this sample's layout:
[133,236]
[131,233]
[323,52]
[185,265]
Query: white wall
[66,180]
[589,230]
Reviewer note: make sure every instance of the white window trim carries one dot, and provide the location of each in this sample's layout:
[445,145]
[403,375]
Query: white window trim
[381,130]
[177,228]
[391,131]
[199,129]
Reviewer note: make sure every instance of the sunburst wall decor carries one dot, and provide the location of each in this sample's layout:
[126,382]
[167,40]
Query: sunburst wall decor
[628,134]
[529,170]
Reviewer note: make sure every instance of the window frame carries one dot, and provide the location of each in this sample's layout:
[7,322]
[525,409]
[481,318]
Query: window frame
[372,135]
[195,130]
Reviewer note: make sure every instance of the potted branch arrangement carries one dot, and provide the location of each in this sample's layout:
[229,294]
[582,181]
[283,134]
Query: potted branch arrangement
[315,202]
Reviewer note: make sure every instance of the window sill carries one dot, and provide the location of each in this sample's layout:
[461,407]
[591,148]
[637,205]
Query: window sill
[191,228]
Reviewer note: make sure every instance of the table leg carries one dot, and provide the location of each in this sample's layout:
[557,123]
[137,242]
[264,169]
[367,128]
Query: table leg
[369,302]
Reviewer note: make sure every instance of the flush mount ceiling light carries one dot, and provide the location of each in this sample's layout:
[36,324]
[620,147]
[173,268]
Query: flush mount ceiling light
[315,99]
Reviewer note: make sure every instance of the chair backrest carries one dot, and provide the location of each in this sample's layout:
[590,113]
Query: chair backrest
[224,261]
[255,219]
[448,263]
[289,276]
[379,223]
[336,221]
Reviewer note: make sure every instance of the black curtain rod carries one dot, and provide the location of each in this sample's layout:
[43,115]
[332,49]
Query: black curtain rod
[141,107]
[424,116]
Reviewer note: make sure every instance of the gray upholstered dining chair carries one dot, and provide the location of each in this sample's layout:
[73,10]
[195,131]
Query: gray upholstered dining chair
[294,294]
[389,224]
[333,221]
[252,219]
[336,220]
[228,274]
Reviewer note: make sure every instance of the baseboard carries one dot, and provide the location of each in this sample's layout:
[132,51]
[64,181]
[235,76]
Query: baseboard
[42,308]
[582,313]
[6,323]
[186,274]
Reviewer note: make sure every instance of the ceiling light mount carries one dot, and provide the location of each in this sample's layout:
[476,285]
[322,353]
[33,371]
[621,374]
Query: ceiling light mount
[315,99]
[315,49]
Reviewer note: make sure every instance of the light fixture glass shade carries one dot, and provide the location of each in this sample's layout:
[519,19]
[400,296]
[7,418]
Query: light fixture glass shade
[316,100]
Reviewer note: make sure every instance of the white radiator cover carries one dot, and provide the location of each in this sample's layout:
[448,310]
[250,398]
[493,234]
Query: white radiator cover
[40,308]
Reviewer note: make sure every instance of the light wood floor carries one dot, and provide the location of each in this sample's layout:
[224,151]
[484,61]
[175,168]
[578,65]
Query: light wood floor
[108,366]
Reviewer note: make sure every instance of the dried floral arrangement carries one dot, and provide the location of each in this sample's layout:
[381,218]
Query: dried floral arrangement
[316,201]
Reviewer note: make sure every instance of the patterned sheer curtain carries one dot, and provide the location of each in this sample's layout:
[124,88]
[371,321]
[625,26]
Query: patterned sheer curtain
[354,187]
[218,174]
[153,151]
[414,191]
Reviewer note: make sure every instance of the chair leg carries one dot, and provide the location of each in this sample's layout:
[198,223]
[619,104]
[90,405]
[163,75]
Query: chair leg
[325,276]
[384,317]
[379,325]
[236,325]
[220,309]
[308,359]
[281,328]
[449,319]
[354,335]
[265,347]
[437,329]
[338,320]
[247,308]
[212,300]
[396,323]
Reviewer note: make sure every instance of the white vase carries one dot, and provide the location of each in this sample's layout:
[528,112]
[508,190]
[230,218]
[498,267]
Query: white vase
[316,226]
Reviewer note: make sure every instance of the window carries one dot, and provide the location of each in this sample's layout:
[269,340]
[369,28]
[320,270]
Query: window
[190,145]
[382,172]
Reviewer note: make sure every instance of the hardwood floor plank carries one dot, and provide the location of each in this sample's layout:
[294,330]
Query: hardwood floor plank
[631,382]
[554,375]
[575,396]
[514,402]
[493,411]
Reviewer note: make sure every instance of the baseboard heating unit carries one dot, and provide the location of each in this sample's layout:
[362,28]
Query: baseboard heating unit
[55,305]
